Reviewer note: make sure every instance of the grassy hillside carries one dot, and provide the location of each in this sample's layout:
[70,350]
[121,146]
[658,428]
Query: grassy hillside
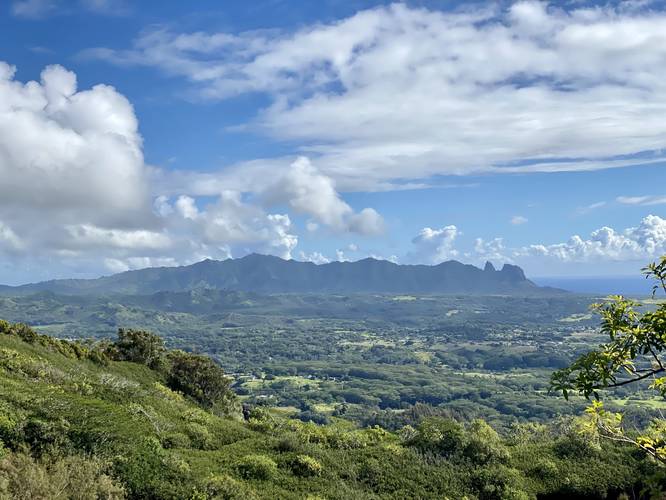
[76,422]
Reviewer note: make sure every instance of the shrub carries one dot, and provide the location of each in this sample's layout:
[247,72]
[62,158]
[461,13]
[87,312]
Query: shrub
[25,332]
[484,444]
[200,436]
[139,346]
[305,466]
[443,436]
[176,440]
[200,378]
[257,467]
[288,444]
[47,437]
[224,487]
[24,478]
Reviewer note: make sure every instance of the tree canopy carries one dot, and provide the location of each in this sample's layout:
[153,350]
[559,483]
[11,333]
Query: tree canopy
[634,354]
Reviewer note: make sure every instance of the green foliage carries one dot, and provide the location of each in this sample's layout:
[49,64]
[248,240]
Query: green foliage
[257,467]
[24,478]
[305,466]
[149,441]
[484,444]
[225,487]
[445,437]
[139,346]
[634,353]
[199,377]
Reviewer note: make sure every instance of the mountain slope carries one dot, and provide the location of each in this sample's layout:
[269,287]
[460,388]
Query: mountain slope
[72,416]
[268,274]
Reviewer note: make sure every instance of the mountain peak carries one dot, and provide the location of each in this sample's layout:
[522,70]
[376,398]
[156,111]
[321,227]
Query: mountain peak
[269,274]
[514,273]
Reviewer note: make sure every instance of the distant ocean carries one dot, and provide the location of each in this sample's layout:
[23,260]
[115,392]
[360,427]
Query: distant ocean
[607,285]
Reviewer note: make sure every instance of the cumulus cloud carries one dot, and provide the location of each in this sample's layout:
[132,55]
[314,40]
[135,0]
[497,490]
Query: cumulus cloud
[306,191]
[75,188]
[433,246]
[645,241]
[492,250]
[314,257]
[59,149]
[642,243]
[489,90]
[517,220]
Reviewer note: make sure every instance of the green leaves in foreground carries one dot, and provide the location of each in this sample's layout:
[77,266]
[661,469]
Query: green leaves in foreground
[635,352]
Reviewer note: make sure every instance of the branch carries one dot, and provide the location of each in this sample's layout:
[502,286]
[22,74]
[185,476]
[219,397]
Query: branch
[629,381]
[656,358]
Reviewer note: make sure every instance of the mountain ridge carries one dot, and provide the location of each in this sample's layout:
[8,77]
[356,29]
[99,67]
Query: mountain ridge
[269,274]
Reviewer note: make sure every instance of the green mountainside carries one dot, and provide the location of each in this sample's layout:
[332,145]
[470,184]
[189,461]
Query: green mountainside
[131,419]
[269,274]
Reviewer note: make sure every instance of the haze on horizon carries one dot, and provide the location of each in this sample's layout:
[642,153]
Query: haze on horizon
[417,132]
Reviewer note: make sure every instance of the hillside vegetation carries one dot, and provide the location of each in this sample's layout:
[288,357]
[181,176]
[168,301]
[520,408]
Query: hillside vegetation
[132,419]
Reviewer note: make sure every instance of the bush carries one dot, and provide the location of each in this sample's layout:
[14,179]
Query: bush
[200,436]
[443,436]
[227,488]
[484,444]
[24,478]
[305,466]
[257,467]
[139,346]
[200,378]
[176,440]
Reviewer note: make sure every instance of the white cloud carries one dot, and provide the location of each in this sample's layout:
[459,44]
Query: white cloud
[306,191]
[398,92]
[493,250]
[86,235]
[643,242]
[642,200]
[38,9]
[76,192]
[59,148]
[186,207]
[314,257]
[8,238]
[231,221]
[121,265]
[433,246]
[589,208]
[517,220]
[340,256]
[33,9]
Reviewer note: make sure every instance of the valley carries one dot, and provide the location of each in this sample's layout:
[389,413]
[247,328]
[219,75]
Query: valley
[368,358]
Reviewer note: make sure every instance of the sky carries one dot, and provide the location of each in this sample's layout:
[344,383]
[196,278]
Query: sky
[161,133]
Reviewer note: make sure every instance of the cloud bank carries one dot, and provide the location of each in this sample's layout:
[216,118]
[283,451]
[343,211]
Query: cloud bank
[399,92]
[75,188]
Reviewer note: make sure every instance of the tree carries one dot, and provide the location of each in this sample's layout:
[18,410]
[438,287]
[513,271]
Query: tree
[200,378]
[139,346]
[634,354]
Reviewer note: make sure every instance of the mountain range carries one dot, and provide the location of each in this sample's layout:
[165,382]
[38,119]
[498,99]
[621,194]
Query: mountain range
[269,274]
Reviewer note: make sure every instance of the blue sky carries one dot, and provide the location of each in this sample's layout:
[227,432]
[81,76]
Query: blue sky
[156,133]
